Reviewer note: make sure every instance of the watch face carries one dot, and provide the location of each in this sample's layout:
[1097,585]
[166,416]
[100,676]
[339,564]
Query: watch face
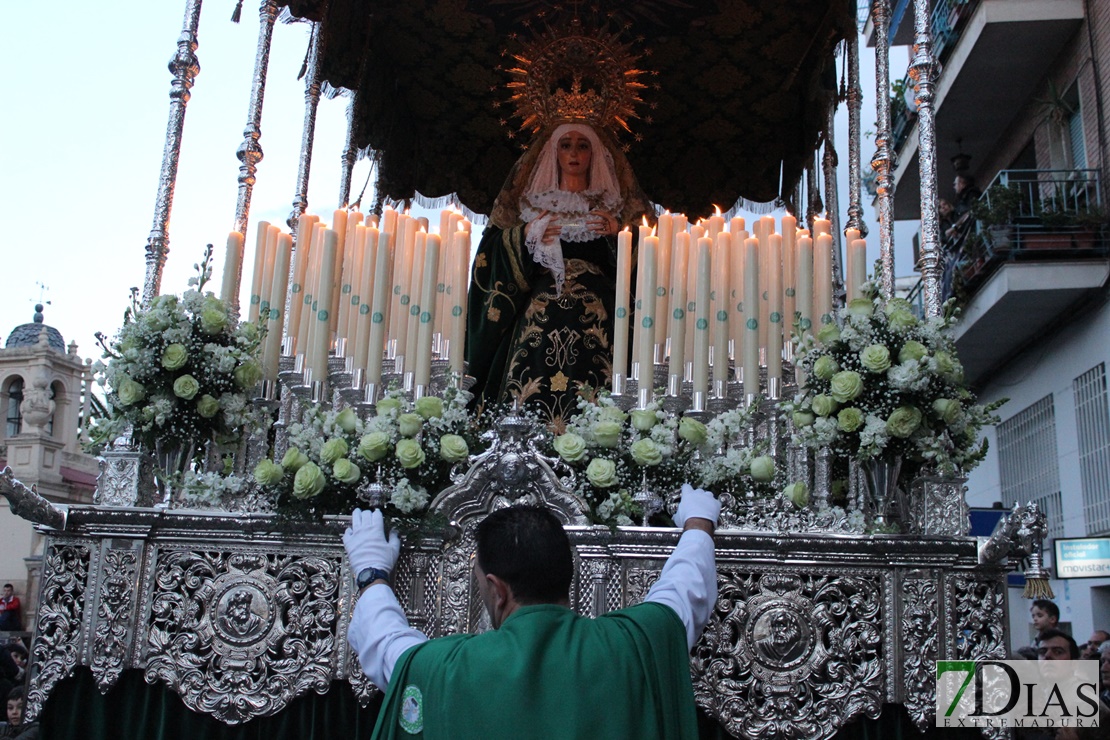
[368,575]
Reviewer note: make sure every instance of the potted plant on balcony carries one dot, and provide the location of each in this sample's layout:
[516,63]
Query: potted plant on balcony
[1056,226]
[1091,219]
[995,212]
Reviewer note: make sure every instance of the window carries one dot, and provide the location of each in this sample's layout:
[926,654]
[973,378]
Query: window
[1029,463]
[15,398]
[1092,421]
[1075,135]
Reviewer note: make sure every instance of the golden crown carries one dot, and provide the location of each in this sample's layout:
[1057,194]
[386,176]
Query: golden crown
[571,74]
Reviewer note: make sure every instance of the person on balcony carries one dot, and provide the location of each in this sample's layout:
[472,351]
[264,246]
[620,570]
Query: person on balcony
[543,288]
[543,670]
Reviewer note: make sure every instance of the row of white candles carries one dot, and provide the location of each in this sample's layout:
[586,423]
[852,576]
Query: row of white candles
[387,288]
[724,293]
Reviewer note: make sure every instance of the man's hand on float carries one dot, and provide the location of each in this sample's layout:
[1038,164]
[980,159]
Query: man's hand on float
[697,509]
[366,543]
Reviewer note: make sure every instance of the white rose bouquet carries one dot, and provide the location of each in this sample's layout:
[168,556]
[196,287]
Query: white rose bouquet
[882,382]
[179,373]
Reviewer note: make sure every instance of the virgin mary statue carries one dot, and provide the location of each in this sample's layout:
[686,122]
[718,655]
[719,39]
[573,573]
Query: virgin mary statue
[543,287]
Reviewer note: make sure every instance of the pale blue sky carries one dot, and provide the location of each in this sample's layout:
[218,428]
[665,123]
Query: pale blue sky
[85,91]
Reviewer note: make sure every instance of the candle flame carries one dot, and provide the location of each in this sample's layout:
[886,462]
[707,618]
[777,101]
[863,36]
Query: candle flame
[625,229]
[645,221]
[653,231]
[716,210]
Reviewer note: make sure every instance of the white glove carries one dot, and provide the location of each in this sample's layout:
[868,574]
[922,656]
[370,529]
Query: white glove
[367,545]
[696,503]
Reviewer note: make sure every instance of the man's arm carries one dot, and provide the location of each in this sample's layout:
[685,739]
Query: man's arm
[379,631]
[688,582]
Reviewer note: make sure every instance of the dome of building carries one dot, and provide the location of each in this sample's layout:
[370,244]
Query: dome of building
[27,335]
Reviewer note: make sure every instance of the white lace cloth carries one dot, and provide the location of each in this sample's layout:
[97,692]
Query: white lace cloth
[571,209]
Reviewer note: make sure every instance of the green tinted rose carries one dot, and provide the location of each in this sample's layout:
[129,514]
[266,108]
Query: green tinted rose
[174,357]
[294,459]
[903,421]
[692,430]
[849,419]
[602,473]
[646,452]
[912,351]
[409,453]
[875,358]
[763,468]
[607,433]
[130,392]
[268,473]
[213,316]
[308,482]
[860,307]
[797,494]
[248,374]
[802,418]
[409,425]
[207,406]
[248,330]
[346,471]
[453,448]
[828,334]
[825,367]
[347,420]
[845,385]
[186,387]
[388,405]
[374,446]
[612,413]
[570,447]
[948,410]
[823,405]
[902,320]
[334,449]
[429,407]
[644,419]
[949,367]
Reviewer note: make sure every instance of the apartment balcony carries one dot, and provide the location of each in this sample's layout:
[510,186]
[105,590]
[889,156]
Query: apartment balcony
[993,54]
[1037,250]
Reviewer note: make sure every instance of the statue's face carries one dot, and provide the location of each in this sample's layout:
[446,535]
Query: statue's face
[574,154]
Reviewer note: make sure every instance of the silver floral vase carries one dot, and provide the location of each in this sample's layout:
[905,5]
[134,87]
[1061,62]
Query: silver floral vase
[172,457]
[881,475]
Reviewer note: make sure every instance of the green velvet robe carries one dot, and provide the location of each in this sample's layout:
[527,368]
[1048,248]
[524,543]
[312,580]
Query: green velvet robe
[524,340]
[548,673]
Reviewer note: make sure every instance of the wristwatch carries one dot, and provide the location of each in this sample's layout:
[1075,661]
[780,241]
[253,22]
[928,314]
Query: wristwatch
[366,576]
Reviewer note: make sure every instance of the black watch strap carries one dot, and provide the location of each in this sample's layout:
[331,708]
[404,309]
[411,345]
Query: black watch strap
[366,576]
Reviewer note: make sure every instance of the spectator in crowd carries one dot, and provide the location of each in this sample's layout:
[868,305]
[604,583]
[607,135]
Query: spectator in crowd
[15,727]
[946,215]
[1027,652]
[1056,645]
[1104,679]
[1090,648]
[1046,615]
[10,620]
[966,194]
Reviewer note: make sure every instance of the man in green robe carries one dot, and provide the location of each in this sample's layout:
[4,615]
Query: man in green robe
[543,671]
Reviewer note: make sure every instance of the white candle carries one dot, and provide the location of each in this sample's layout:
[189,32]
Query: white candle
[716,224]
[646,313]
[339,225]
[326,289]
[822,279]
[789,273]
[702,313]
[308,303]
[416,280]
[720,309]
[357,249]
[348,281]
[663,277]
[233,257]
[426,318]
[268,273]
[457,329]
[736,328]
[259,264]
[379,308]
[774,309]
[857,267]
[367,261]
[736,224]
[804,302]
[821,226]
[398,320]
[678,306]
[751,316]
[275,320]
[622,308]
[301,261]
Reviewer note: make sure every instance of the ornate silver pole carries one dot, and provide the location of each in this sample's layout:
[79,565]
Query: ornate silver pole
[185,67]
[350,152]
[883,161]
[308,132]
[813,192]
[855,103]
[250,151]
[923,70]
[832,202]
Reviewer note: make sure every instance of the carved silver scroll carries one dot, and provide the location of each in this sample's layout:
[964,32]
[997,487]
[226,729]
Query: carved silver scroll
[115,613]
[239,634]
[883,160]
[832,204]
[919,647]
[185,67]
[923,71]
[249,152]
[27,503]
[61,628]
[791,653]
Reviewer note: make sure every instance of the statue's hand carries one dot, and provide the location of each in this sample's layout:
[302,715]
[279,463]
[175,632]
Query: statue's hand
[602,223]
